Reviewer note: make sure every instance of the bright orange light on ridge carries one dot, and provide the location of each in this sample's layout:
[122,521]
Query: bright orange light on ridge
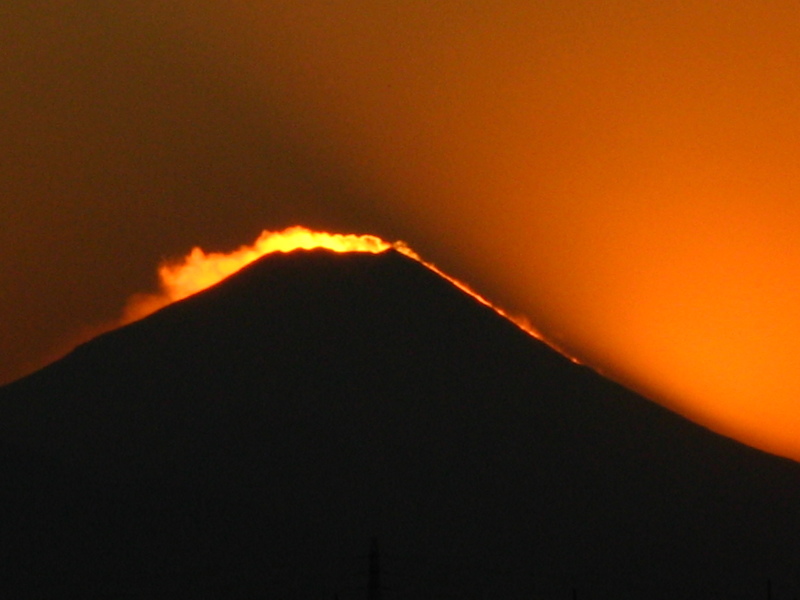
[200,270]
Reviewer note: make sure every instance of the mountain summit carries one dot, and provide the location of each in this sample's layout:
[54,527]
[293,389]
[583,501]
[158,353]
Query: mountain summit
[252,439]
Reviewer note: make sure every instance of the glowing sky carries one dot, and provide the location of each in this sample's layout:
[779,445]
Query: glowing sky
[624,173]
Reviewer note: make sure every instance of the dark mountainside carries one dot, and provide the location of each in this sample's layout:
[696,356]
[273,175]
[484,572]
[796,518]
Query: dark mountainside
[251,440]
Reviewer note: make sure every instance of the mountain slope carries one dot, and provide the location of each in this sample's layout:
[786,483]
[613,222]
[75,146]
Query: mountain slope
[252,438]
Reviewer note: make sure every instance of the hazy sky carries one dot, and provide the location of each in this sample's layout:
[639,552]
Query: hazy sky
[625,173]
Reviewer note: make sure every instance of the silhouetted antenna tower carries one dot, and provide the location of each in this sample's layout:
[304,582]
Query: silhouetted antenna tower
[374,583]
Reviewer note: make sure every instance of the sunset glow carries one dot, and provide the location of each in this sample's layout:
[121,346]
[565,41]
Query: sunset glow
[624,174]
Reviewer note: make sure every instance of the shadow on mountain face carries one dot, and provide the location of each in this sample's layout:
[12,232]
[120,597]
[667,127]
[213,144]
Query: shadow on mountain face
[251,439]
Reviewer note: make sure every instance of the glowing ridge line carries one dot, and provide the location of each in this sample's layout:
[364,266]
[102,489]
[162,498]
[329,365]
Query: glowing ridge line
[199,270]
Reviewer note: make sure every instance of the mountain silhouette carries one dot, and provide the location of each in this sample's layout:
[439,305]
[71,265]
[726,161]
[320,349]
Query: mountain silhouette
[251,440]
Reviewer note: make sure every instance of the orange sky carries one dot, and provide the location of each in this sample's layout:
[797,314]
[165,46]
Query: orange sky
[623,173]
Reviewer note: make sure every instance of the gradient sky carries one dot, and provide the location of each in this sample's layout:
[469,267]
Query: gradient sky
[624,173]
